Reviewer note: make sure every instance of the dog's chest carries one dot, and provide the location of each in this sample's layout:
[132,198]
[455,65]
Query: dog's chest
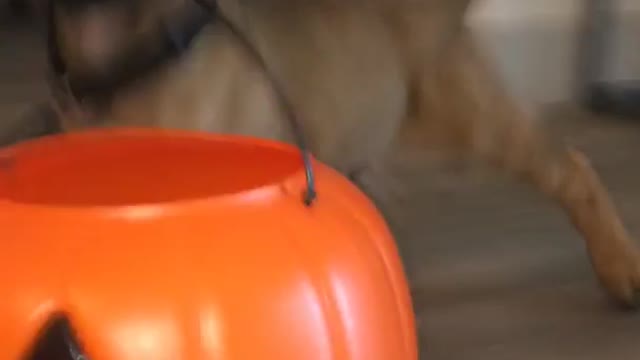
[215,87]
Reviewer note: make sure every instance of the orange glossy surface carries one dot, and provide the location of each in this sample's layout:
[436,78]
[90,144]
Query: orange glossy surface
[172,245]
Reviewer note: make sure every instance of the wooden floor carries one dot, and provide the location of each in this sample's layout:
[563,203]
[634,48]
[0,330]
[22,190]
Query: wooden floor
[497,272]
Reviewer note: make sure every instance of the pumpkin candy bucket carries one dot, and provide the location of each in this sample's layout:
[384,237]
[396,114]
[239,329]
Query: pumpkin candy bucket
[137,244]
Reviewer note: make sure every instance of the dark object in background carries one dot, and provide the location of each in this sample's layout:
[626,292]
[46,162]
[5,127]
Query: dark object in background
[615,98]
[20,8]
[620,98]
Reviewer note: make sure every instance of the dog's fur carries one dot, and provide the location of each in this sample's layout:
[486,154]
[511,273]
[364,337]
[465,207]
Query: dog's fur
[362,75]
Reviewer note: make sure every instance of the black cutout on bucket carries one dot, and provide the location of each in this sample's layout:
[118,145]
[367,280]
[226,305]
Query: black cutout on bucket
[56,342]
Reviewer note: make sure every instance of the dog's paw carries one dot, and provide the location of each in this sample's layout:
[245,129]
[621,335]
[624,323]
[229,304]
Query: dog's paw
[619,273]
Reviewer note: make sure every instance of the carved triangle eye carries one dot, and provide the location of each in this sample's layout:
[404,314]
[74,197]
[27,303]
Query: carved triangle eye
[56,342]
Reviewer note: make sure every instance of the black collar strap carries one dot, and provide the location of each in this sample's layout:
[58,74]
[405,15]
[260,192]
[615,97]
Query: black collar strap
[175,37]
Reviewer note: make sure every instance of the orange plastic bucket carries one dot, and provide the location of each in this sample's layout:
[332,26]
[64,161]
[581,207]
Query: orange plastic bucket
[173,245]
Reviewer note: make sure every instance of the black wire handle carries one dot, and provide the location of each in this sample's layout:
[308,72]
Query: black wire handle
[310,195]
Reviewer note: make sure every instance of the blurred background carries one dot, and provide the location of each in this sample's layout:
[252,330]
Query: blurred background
[543,46]
[497,272]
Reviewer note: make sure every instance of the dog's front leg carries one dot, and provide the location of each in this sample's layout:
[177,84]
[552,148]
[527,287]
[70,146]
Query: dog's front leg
[460,107]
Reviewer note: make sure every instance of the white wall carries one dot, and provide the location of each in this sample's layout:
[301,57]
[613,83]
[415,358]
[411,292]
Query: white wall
[514,11]
[535,42]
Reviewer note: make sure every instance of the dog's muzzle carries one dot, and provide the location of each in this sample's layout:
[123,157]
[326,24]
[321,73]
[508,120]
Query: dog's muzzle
[87,95]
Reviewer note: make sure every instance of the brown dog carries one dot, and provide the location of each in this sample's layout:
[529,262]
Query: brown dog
[360,75]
